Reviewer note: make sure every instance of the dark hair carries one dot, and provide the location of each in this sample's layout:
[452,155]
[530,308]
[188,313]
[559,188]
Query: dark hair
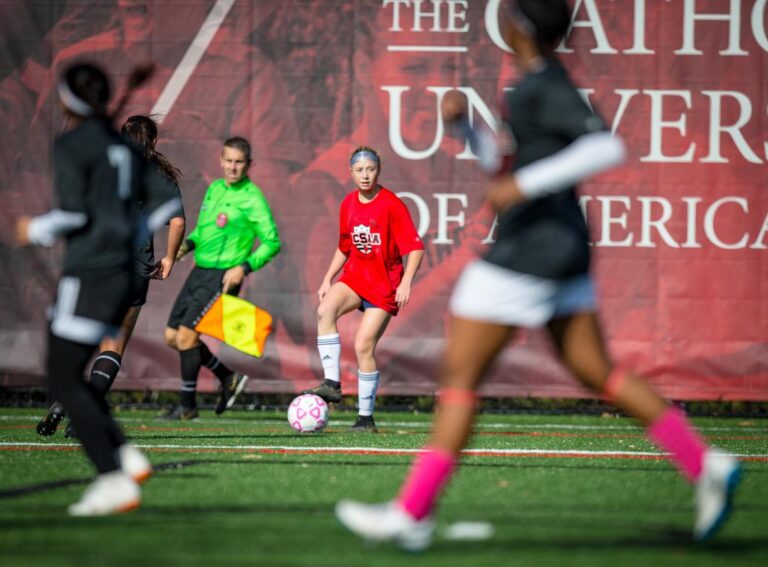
[142,131]
[366,149]
[550,18]
[90,85]
[84,89]
[241,144]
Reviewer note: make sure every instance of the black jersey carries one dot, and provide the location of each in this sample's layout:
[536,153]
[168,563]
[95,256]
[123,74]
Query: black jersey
[101,178]
[547,236]
[144,250]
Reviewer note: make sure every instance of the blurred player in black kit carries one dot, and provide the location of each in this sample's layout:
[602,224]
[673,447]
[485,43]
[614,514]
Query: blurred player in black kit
[99,182]
[141,131]
[535,275]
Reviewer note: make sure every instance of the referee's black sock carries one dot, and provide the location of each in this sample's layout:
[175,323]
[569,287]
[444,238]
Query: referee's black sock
[190,367]
[104,370]
[209,360]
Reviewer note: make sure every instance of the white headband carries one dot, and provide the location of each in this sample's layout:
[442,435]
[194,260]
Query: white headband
[73,102]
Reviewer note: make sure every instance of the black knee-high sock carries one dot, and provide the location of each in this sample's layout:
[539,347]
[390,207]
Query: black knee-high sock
[98,432]
[190,367]
[104,370]
[213,364]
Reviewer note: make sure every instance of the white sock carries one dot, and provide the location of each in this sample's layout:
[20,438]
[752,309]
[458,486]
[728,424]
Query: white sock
[329,347]
[367,384]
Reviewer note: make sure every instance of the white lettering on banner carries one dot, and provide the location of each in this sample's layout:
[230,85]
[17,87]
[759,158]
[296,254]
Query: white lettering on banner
[657,125]
[647,223]
[734,130]
[758,24]
[734,28]
[638,43]
[395,121]
[444,218]
[669,110]
[456,15]
[595,23]
[692,204]
[608,220]
[709,223]
[610,215]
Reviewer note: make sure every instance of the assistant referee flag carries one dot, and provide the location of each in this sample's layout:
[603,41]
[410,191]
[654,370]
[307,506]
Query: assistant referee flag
[238,323]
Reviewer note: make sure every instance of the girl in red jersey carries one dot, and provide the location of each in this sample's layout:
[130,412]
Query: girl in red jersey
[375,233]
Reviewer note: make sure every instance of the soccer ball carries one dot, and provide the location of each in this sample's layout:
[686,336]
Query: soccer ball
[308,413]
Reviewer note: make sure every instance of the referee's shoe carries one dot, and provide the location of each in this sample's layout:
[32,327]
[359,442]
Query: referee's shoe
[230,389]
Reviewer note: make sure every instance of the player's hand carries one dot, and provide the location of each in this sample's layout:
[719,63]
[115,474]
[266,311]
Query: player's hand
[233,277]
[503,193]
[403,294]
[323,291]
[183,251]
[162,269]
[22,230]
[453,106]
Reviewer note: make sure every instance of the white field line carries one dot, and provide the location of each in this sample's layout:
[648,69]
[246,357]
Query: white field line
[377,450]
[191,58]
[418,425]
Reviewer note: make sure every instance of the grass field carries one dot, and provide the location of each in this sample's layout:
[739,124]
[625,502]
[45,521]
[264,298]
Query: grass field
[243,489]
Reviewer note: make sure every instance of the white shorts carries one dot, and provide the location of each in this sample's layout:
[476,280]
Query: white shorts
[487,292]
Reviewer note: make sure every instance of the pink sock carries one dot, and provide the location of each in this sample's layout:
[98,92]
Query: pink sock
[429,473]
[673,433]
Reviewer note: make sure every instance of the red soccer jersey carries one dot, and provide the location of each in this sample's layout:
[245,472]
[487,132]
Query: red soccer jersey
[375,236]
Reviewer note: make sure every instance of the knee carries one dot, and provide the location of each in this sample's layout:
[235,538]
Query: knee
[325,313]
[364,347]
[186,339]
[170,337]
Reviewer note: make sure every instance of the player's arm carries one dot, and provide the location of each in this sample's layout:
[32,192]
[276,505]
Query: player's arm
[589,155]
[337,263]
[71,215]
[177,226]
[265,229]
[482,141]
[412,262]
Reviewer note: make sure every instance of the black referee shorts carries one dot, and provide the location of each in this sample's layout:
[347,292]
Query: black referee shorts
[201,287]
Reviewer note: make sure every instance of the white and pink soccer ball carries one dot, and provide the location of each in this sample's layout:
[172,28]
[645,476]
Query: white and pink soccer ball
[308,413]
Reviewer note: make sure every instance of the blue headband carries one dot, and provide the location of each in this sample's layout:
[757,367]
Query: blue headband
[363,154]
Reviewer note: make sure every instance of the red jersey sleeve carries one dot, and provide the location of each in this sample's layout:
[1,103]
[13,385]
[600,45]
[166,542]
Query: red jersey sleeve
[406,236]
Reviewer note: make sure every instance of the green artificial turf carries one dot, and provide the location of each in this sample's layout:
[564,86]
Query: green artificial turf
[243,489]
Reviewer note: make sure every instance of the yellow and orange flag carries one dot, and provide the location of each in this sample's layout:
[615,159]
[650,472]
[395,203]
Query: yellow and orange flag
[238,323]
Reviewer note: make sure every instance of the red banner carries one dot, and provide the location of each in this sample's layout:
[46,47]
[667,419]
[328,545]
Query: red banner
[680,232]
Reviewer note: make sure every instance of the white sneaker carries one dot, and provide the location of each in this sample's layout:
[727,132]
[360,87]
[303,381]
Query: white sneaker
[720,475]
[111,493]
[134,463]
[386,522]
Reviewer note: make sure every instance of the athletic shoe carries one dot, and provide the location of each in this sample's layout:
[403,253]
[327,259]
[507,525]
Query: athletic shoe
[232,388]
[111,493]
[719,478]
[134,463]
[326,391]
[385,522]
[70,432]
[180,413]
[47,426]
[364,424]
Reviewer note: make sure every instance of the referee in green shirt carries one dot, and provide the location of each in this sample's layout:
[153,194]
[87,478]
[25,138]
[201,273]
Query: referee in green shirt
[234,214]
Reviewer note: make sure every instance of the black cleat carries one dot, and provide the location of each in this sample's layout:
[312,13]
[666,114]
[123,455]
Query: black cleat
[364,424]
[47,426]
[326,391]
[233,387]
[70,432]
[180,413]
